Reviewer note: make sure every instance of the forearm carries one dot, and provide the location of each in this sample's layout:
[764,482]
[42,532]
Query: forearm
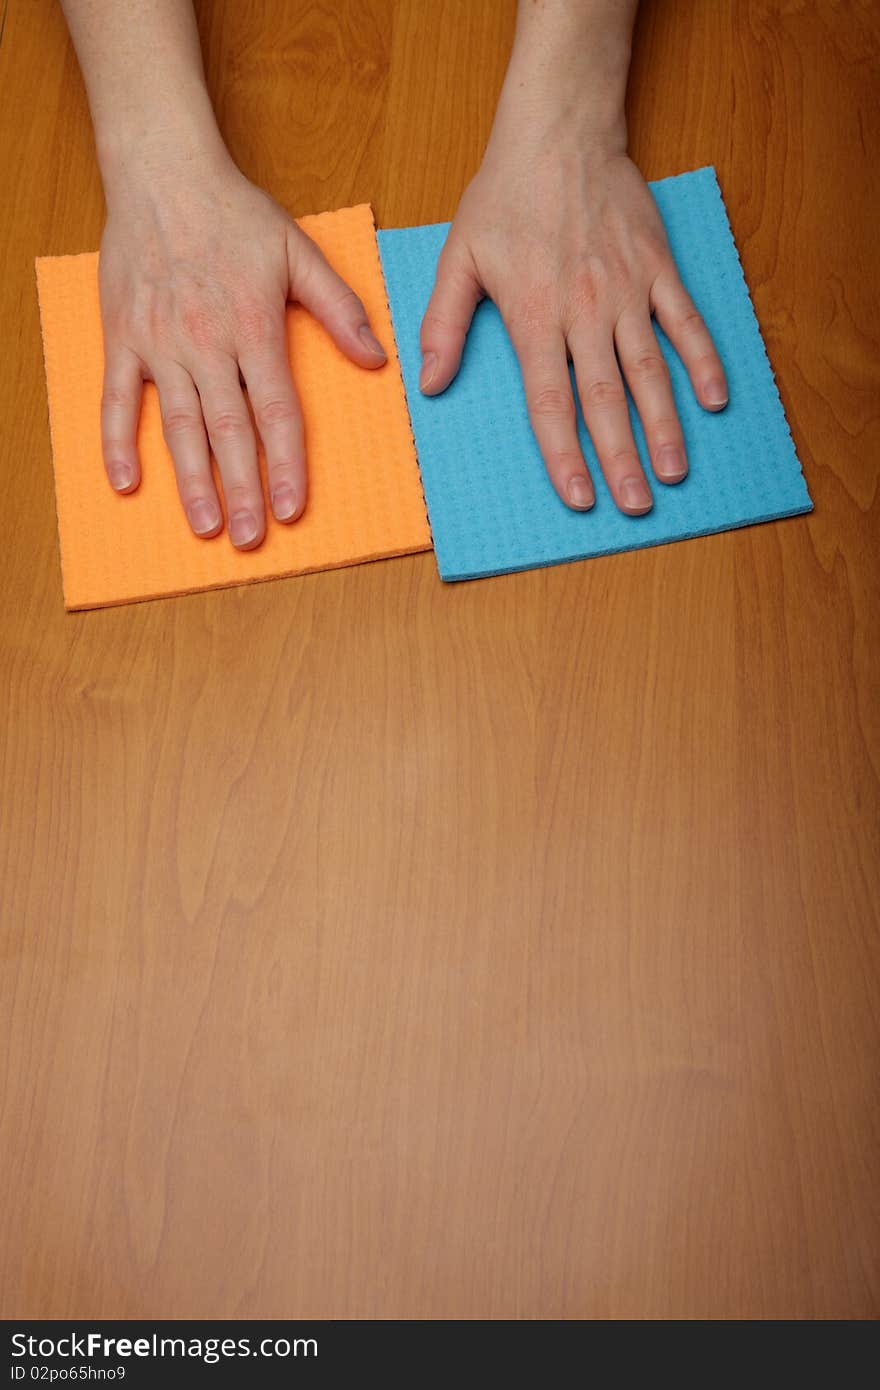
[569,68]
[143,71]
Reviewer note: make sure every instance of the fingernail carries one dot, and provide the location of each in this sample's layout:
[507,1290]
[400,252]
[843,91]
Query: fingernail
[580,494]
[370,341]
[121,475]
[203,516]
[715,392]
[671,464]
[242,528]
[634,493]
[429,367]
[283,503]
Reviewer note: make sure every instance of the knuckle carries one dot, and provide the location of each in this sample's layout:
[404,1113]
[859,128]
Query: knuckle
[666,428]
[276,410]
[228,424]
[191,487]
[563,459]
[437,326]
[587,285]
[282,473]
[179,420]
[347,302]
[619,455]
[244,493]
[649,366]
[113,398]
[603,392]
[552,401]
[708,360]
[531,312]
[435,322]
[200,323]
[691,320]
[653,252]
[256,324]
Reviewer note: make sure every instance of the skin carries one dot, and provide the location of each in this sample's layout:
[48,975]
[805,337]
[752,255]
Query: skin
[197,266]
[200,305]
[196,269]
[559,229]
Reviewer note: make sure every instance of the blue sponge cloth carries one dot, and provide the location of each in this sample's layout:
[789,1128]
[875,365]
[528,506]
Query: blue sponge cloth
[490,503]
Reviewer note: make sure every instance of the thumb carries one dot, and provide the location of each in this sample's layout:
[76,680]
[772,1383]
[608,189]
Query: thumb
[315,284]
[455,296]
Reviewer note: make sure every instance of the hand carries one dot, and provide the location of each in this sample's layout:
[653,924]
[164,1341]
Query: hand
[567,241]
[195,274]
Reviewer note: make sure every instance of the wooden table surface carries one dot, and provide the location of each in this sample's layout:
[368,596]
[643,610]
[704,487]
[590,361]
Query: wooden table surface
[374,947]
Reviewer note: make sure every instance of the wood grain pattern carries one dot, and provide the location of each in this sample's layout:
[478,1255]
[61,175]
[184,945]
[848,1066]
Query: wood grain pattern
[373,947]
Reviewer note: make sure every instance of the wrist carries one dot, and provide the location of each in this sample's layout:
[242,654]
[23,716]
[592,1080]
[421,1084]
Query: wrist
[539,123]
[567,75]
[149,147]
[533,116]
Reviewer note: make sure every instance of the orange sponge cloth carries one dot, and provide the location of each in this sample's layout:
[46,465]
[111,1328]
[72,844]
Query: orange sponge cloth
[365,495]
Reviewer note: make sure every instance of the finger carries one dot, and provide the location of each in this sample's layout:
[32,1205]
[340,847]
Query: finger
[184,430]
[235,449]
[647,376]
[455,296]
[683,325]
[552,414]
[266,371]
[603,402]
[120,410]
[315,284]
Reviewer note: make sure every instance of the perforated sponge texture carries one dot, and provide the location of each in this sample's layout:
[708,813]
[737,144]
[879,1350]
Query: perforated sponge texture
[365,497]
[491,506]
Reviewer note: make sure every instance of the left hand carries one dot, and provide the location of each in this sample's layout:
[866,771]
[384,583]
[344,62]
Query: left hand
[568,243]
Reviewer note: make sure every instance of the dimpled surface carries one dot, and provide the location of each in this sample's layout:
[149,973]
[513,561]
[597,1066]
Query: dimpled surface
[491,506]
[365,499]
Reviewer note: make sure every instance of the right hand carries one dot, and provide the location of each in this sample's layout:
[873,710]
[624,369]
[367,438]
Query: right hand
[195,274]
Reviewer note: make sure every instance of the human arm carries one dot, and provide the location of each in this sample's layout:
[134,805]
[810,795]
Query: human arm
[559,229]
[196,268]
